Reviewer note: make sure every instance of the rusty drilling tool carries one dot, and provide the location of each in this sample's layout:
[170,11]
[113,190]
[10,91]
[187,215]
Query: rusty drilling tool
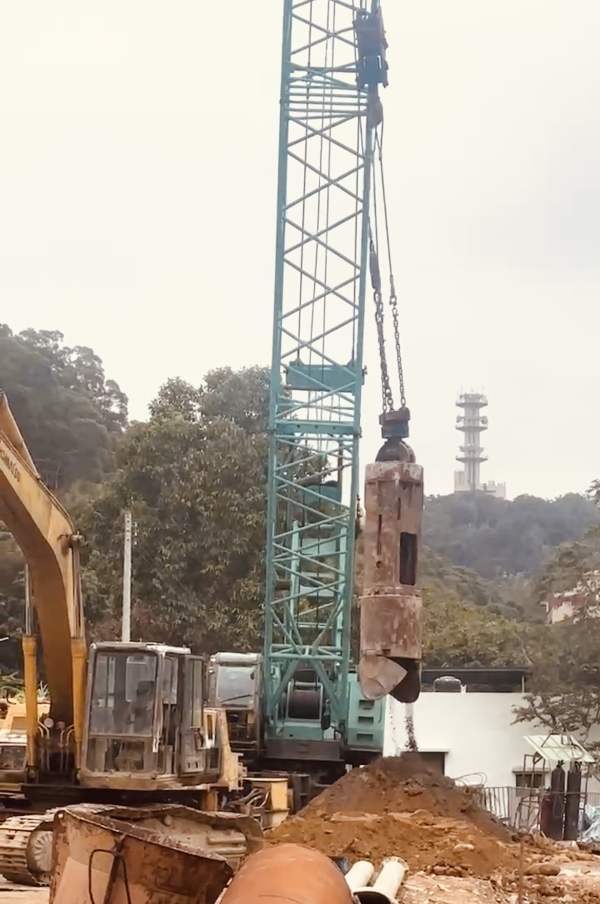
[390,606]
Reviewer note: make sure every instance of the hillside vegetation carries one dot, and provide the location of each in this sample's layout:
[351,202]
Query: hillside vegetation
[194,475]
[498,538]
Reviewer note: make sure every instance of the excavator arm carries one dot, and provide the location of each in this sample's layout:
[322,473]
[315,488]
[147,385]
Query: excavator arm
[45,533]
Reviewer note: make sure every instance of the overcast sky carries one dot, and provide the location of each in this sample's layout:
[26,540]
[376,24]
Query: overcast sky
[137,200]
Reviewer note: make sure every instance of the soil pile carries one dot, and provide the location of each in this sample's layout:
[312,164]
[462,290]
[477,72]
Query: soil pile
[403,784]
[397,806]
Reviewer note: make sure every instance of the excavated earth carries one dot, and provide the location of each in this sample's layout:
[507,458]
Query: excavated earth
[455,850]
[397,806]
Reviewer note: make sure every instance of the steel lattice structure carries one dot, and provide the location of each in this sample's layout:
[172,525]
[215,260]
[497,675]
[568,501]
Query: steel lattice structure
[325,156]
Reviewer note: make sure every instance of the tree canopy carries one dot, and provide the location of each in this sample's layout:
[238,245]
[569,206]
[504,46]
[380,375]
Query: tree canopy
[498,538]
[459,634]
[67,409]
[564,692]
[11,601]
[194,478]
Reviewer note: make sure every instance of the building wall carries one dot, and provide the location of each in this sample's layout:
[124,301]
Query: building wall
[559,611]
[563,605]
[473,729]
[491,487]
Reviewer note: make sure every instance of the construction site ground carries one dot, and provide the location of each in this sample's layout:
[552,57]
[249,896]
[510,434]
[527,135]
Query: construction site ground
[20,894]
[576,882]
[456,852]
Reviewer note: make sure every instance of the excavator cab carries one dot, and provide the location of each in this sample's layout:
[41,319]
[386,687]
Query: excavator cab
[235,685]
[147,727]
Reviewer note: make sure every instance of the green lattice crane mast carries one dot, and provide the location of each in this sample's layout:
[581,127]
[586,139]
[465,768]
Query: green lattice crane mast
[333,69]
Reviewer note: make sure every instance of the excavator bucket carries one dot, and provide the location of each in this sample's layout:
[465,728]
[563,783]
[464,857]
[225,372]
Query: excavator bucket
[390,607]
[118,855]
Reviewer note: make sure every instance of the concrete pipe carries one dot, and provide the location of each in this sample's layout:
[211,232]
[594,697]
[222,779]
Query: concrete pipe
[288,874]
[359,875]
[391,877]
[385,888]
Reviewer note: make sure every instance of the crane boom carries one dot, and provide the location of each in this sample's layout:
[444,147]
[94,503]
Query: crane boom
[329,109]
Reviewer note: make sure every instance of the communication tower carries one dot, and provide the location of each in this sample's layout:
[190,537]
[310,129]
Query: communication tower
[471,424]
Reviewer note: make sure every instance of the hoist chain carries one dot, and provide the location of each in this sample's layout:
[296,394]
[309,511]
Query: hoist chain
[386,391]
[388,404]
[394,307]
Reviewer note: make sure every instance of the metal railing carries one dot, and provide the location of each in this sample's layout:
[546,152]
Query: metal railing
[505,803]
[519,808]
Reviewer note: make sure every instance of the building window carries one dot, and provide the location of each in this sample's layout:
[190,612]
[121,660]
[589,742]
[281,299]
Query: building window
[529,779]
[435,760]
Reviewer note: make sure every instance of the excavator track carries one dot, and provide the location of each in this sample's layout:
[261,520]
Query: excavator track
[26,849]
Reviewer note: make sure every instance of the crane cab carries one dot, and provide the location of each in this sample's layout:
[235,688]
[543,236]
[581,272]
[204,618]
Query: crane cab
[146,724]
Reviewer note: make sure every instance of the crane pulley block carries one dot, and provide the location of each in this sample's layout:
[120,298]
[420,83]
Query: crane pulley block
[372,66]
[394,429]
[390,605]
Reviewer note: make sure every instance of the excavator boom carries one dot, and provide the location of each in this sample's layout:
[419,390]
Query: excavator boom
[47,538]
[134,729]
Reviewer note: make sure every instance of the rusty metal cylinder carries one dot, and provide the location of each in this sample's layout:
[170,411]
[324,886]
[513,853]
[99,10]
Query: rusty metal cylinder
[288,874]
[390,607]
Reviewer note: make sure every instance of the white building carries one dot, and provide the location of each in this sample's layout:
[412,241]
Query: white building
[471,735]
[491,487]
[564,605]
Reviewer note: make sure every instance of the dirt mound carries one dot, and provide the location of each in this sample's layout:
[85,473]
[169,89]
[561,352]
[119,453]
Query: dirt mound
[403,784]
[444,846]
[397,806]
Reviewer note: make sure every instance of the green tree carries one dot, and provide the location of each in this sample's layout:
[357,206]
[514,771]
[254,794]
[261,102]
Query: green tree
[564,692]
[459,634]
[462,622]
[194,477]
[70,415]
[11,603]
[466,583]
[67,409]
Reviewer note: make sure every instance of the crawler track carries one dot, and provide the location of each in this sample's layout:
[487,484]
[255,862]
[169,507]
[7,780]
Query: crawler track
[26,848]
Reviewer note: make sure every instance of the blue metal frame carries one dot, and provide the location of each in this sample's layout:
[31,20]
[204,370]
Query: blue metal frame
[325,163]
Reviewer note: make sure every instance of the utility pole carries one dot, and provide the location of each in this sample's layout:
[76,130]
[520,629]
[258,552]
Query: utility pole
[126,628]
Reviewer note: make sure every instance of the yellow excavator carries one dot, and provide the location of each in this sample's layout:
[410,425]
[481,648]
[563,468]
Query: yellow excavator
[126,724]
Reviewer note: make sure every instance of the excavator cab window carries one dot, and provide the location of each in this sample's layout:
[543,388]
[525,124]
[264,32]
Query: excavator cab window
[195,734]
[123,694]
[13,757]
[122,714]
